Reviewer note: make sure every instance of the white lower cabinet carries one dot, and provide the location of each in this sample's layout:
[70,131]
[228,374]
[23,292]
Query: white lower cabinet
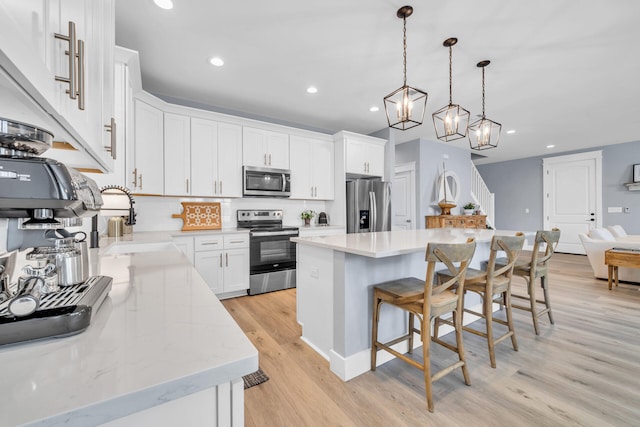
[223,261]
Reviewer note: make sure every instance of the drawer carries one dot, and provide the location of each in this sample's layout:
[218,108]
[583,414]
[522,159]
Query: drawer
[208,243]
[236,241]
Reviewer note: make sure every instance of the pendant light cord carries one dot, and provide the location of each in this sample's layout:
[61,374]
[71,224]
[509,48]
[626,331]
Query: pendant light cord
[404,51]
[450,76]
[483,92]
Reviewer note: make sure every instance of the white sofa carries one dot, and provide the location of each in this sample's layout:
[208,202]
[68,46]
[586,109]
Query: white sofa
[599,240]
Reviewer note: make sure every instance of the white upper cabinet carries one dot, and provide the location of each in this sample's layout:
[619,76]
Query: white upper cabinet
[177,155]
[229,160]
[147,169]
[216,159]
[364,156]
[60,53]
[312,168]
[263,148]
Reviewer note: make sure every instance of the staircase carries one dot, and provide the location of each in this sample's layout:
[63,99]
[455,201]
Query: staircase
[482,196]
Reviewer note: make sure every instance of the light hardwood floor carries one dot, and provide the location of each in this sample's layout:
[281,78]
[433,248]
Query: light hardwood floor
[582,371]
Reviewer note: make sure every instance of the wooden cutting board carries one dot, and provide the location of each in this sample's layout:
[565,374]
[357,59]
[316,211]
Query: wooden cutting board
[200,216]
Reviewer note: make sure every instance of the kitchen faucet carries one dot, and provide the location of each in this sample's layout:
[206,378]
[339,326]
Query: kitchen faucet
[131,219]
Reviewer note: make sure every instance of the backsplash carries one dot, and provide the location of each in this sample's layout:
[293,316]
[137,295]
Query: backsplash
[154,213]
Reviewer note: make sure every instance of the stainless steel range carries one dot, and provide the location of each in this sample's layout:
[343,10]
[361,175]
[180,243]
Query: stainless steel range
[272,253]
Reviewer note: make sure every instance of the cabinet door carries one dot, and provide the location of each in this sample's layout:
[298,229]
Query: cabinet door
[301,163]
[278,150]
[254,143]
[177,155]
[204,157]
[210,266]
[236,269]
[323,170]
[375,160]
[148,166]
[107,21]
[356,159]
[26,38]
[84,113]
[229,160]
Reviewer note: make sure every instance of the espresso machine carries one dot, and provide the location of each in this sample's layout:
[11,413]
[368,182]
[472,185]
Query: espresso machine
[52,295]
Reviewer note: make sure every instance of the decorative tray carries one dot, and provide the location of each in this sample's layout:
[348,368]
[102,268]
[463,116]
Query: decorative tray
[200,216]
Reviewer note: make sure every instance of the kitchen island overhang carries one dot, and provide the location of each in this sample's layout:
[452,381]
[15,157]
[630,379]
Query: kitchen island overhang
[335,282]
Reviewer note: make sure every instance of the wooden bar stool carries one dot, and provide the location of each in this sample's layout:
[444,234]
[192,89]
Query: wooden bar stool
[537,267]
[424,299]
[493,286]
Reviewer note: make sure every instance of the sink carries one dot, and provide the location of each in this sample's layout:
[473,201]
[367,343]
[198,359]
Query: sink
[132,248]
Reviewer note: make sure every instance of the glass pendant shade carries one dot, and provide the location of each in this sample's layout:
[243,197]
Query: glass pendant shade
[405,107]
[484,133]
[451,121]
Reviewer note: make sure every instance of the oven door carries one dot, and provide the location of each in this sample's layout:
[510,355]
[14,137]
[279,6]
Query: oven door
[266,182]
[272,251]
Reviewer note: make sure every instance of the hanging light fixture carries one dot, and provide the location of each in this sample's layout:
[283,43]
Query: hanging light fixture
[451,121]
[405,107]
[484,133]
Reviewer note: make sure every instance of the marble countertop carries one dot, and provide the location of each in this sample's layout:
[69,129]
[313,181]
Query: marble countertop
[159,336]
[390,243]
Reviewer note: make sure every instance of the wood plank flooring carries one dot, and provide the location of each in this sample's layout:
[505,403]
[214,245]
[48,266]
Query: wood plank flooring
[582,371]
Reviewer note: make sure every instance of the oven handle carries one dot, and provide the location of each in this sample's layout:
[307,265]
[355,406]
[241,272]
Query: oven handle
[284,181]
[273,233]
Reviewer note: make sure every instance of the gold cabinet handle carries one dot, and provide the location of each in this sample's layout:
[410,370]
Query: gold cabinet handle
[80,74]
[111,128]
[71,53]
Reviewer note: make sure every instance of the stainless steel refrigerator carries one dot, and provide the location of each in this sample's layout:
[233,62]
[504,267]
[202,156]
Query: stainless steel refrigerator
[368,206]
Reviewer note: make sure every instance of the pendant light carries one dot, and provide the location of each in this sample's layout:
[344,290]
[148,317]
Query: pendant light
[451,121]
[484,133]
[405,107]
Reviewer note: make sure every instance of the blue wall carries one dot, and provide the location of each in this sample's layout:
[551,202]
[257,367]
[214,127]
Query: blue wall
[517,185]
[428,156]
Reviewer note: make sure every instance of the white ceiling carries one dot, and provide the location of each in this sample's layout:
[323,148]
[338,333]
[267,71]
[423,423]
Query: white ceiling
[563,72]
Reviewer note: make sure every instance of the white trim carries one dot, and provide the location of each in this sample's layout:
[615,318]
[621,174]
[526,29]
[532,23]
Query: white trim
[350,367]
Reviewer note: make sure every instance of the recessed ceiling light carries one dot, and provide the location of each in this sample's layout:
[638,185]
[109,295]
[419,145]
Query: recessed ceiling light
[374,109]
[512,131]
[216,61]
[164,4]
[312,89]
[550,146]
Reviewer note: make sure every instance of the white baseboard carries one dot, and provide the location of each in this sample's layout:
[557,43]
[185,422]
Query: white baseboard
[315,348]
[350,367]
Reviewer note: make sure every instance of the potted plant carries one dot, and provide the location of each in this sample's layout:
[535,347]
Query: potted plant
[469,208]
[307,215]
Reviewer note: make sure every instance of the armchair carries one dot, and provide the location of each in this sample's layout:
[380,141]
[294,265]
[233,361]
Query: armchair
[598,241]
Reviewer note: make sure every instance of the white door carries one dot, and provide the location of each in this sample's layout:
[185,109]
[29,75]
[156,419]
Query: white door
[404,197]
[573,197]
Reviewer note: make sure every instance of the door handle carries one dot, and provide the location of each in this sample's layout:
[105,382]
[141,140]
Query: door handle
[227,258]
[71,53]
[220,260]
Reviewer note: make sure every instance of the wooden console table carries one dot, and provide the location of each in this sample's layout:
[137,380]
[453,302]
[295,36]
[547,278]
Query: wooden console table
[619,257]
[455,221]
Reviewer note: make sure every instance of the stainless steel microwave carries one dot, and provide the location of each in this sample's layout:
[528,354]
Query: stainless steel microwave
[266,182]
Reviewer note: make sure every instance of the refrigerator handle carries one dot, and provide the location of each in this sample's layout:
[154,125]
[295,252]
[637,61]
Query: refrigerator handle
[373,211]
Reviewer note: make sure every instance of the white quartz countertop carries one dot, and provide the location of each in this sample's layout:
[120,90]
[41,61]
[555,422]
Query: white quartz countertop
[160,335]
[390,243]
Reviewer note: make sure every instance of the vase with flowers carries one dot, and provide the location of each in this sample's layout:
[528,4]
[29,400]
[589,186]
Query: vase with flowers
[307,215]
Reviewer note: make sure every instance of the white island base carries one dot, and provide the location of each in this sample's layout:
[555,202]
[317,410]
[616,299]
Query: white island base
[335,278]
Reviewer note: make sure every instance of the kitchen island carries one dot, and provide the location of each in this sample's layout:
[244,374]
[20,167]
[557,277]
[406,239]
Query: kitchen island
[162,351]
[335,278]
